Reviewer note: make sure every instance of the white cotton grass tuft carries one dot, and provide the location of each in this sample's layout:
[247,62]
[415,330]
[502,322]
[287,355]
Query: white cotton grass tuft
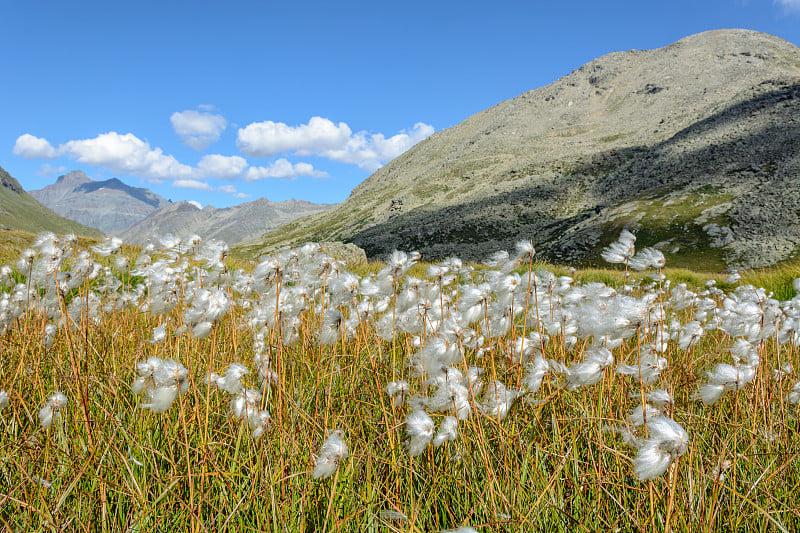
[667,441]
[724,378]
[452,396]
[109,246]
[590,371]
[497,399]
[332,452]
[647,368]
[51,410]
[231,382]
[640,414]
[259,422]
[161,381]
[621,250]
[397,391]
[647,258]
[537,370]
[160,399]
[690,334]
[145,370]
[448,431]
[245,403]
[419,427]
[733,278]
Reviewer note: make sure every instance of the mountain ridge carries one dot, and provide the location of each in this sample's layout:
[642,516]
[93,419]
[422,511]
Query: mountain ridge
[109,205]
[563,164]
[230,224]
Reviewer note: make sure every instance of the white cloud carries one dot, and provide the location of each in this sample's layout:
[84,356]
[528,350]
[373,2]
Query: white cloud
[265,139]
[283,169]
[321,137]
[221,166]
[48,170]
[31,147]
[371,151]
[196,129]
[192,184]
[195,203]
[230,189]
[789,5]
[126,154]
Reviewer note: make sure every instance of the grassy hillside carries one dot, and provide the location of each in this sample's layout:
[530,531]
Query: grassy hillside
[20,211]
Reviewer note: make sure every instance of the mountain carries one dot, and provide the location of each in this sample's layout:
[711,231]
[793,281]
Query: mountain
[231,224]
[109,205]
[694,146]
[20,211]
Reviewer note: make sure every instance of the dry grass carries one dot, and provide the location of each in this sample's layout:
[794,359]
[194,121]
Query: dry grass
[108,465]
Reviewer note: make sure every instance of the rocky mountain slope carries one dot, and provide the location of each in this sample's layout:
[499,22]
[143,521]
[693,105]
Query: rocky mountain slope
[109,205]
[695,147]
[20,211]
[231,224]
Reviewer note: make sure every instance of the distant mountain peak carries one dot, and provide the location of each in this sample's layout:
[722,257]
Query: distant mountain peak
[230,224]
[76,177]
[110,205]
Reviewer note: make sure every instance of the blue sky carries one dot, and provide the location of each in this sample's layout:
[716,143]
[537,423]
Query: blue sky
[223,103]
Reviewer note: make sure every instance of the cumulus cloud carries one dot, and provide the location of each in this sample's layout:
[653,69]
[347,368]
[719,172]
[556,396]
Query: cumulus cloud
[32,147]
[48,170]
[198,129]
[221,166]
[195,203]
[283,169]
[127,154]
[371,151]
[321,137]
[192,184]
[265,139]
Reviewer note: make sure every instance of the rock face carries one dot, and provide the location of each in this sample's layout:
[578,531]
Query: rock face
[695,147]
[20,211]
[231,224]
[347,252]
[109,205]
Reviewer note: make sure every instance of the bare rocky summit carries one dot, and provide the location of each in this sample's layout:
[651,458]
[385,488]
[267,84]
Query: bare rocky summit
[695,147]
[231,224]
[108,205]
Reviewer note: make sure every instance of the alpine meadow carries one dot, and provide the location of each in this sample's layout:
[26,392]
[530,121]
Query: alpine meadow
[297,395]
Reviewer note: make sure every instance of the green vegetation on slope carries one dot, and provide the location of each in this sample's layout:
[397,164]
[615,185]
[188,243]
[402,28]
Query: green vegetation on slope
[20,211]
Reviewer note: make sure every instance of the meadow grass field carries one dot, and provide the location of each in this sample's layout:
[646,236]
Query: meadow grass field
[170,389]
